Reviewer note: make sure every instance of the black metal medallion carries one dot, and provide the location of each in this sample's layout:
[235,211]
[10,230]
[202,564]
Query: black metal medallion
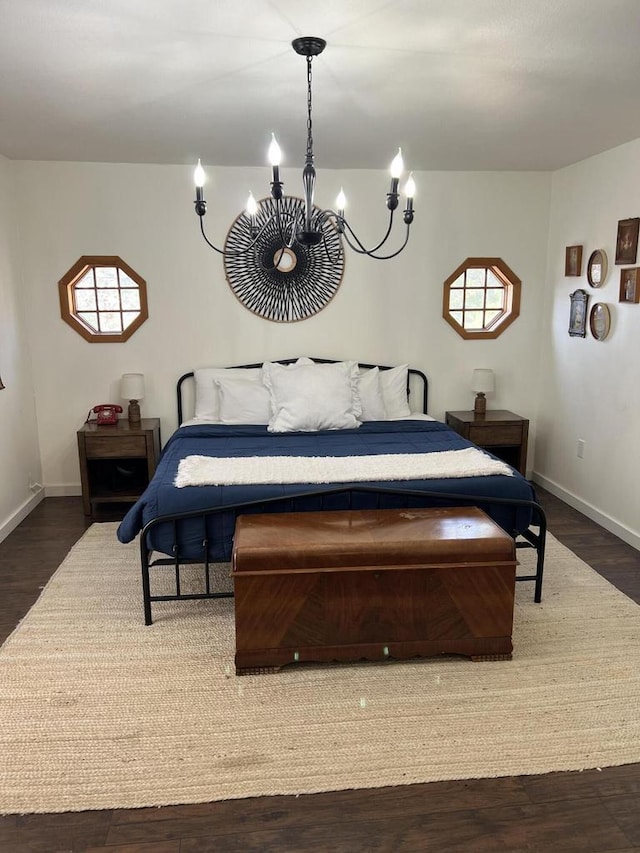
[280,282]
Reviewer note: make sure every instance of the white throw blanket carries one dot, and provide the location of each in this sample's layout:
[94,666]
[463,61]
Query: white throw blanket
[253,470]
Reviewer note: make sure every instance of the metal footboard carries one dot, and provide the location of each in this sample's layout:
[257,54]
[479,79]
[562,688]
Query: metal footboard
[533,537]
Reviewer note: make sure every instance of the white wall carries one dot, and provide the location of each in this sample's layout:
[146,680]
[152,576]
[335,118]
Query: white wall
[19,453]
[590,388]
[386,312]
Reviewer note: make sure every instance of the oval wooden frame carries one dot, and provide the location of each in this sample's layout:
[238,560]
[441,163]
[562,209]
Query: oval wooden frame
[600,306]
[604,267]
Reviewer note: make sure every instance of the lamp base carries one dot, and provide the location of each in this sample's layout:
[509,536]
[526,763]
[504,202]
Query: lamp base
[480,405]
[134,413]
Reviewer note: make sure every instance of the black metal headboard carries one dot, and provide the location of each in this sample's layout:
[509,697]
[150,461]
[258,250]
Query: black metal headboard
[413,373]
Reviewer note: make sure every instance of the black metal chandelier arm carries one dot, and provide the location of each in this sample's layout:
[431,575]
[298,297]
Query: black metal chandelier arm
[229,252]
[287,243]
[321,219]
[357,246]
[393,254]
[208,241]
[331,258]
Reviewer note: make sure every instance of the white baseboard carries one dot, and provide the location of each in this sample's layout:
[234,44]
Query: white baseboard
[10,524]
[64,490]
[610,524]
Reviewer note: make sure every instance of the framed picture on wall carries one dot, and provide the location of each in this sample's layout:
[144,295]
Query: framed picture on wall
[600,321]
[629,285]
[597,268]
[573,260]
[627,241]
[578,314]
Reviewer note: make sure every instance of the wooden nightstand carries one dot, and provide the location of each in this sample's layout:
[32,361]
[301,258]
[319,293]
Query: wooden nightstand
[117,462]
[503,433]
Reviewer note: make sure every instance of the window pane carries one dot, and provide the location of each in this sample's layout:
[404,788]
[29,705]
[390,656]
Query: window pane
[456,299]
[127,281]
[459,282]
[130,299]
[475,277]
[473,320]
[108,300]
[491,316]
[85,300]
[86,280]
[474,298]
[128,317]
[91,319]
[493,280]
[457,316]
[106,277]
[495,298]
[110,322]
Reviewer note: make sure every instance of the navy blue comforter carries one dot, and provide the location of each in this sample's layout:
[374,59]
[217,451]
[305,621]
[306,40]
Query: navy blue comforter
[162,498]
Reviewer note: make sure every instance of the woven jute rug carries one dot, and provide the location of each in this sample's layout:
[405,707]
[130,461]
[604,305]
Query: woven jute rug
[98,711]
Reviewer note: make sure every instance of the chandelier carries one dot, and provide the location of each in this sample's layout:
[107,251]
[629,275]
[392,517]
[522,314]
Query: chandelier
[303,226]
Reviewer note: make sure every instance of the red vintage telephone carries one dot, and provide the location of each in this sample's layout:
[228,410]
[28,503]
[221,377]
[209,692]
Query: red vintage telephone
[107,413]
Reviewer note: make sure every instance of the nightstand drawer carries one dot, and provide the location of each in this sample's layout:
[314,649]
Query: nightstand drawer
[488,435]
[121,445]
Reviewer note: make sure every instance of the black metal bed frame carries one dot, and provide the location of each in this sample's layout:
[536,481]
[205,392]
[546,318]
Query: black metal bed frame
[526,539]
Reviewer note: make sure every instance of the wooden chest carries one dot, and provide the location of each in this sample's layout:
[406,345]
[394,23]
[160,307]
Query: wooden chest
[372,584]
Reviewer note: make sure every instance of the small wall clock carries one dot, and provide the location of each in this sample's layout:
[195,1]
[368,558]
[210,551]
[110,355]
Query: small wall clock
[578,313]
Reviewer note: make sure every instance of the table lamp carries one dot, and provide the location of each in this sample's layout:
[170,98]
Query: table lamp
[132,389]
[482,383]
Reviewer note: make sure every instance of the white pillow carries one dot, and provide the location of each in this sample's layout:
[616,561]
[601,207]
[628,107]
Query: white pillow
[207,395]
[309,397]
[370,392]
[393,383]
[243,401]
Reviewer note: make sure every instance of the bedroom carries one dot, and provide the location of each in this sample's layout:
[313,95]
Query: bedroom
[53,210]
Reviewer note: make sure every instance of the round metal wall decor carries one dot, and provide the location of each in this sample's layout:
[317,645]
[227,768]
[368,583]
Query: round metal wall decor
[281,283]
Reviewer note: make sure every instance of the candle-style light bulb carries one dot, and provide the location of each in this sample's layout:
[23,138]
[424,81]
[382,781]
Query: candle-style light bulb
[275,158]
[252,211]
[275,152]
[341,203]
[397,165]
[199,176]
[410,187]
[252,206]
[409,191]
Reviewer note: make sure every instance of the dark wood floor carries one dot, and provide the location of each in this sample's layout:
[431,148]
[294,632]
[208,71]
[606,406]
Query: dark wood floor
[582,812]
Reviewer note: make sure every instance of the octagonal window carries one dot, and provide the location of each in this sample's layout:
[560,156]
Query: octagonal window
[481,298]
[103,299]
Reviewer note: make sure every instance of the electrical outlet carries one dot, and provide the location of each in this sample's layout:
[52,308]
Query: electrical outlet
[580,451]
[34,486]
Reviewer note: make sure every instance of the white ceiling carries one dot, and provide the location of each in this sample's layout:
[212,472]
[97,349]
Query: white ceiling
[460,84]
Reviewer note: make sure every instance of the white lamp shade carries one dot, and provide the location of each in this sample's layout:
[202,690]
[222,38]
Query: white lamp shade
[483,381]
[132,386]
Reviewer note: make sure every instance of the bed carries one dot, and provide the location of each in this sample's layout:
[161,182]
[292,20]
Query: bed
[187,514]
